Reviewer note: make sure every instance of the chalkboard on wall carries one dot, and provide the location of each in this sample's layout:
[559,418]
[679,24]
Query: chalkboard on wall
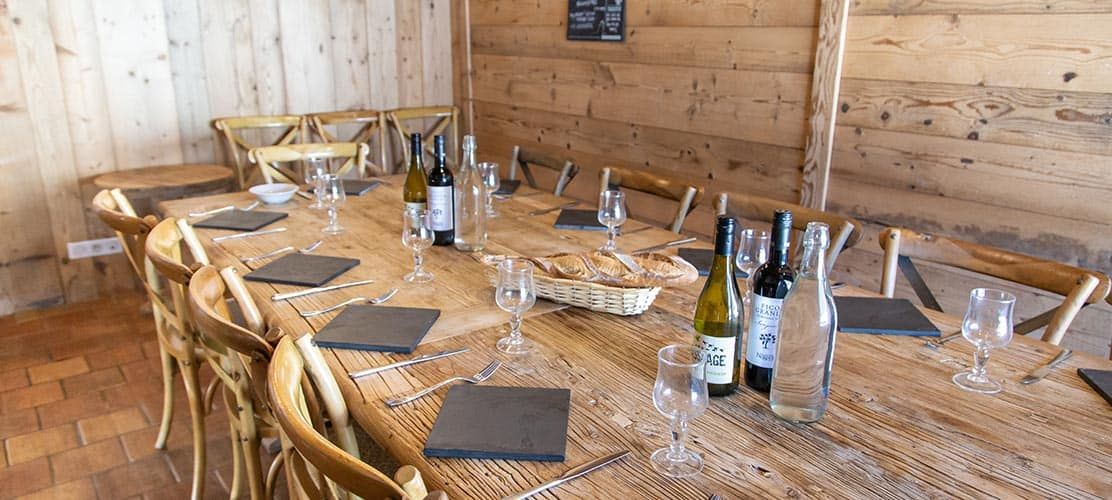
[601,20]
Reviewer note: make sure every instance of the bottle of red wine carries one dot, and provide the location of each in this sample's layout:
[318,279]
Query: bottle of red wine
[771,283]
[442,198]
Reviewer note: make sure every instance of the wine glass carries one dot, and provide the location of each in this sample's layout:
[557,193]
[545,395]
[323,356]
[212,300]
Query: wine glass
[313,168]
[752,251]
[489,172]
[417,236]
[680,393]
[612,214]
[515,294]
[987,324]
[330,192]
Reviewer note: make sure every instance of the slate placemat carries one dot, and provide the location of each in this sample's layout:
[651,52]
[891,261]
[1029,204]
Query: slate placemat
[353,187]
[507,186]
[702,258]
[882,316]
[1099,380]
[240,220]
[300,269]
[377,328]
[580,220]
[511,423]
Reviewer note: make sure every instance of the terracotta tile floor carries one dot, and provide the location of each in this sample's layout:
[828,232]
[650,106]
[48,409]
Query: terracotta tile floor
[80,401]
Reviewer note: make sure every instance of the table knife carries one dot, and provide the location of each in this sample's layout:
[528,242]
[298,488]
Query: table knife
[553,209]
[1044,370]
[218,239]
[570,474]
[662,246]
[419,359]
[301,293]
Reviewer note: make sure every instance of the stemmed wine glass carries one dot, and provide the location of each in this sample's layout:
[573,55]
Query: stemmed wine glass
[680,393]
[330,192]
[417,236]
[612,214]
[515,294]
[987,324]
[751,253]
[314,168]
[489,172]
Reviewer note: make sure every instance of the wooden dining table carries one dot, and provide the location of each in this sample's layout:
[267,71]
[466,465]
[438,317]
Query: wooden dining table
[897,426]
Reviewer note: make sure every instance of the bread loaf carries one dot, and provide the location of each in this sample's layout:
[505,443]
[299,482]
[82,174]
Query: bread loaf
[620,270]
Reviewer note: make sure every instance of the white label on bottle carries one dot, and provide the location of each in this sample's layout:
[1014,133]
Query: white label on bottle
[718,352]
[441,200]
[764,326]
[410,206]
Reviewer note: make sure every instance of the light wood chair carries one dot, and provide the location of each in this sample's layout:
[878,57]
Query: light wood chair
[234,131]
[845,232]
[274,161]
[371,129]
[1080,287]
[439,119]
[686,195]
[315,467]
[523,160]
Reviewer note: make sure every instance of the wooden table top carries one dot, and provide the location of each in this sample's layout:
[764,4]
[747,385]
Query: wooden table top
[200,175]
[896,426]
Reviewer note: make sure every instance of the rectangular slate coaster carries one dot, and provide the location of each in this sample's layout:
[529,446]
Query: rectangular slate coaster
[510,423]
[507,186]
[702,258]
[580,220]
[377,328]
[882,316]
[354,187]
[240,220]
[300,269]
[1099,380]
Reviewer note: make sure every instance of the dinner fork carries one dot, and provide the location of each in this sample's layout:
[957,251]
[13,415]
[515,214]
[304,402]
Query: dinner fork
[479,377]
[228,208]
[280,251]
[370,300]
[937,344]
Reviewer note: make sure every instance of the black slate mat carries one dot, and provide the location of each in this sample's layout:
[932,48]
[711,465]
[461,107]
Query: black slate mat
[882,316]
[511,423]
[579,220]
[702,258]
[240,220]
[1099,380]
[300,269]
[353,187]
[377,328]
[507,186]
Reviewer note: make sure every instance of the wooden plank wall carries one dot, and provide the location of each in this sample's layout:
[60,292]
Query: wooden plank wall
[988,121]
[92,86]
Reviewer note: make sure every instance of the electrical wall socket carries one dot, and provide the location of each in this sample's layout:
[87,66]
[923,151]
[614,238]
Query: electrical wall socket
[93,248]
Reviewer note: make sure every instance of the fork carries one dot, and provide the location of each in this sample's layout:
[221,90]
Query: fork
[371,300]
[479,377]
[228,208]
[937,344]
[280,251]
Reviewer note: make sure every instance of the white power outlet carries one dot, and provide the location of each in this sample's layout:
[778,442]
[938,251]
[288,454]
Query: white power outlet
[93,248]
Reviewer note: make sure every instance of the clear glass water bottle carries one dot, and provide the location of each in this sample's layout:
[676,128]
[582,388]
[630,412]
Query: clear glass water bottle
[805,346]
[471,195]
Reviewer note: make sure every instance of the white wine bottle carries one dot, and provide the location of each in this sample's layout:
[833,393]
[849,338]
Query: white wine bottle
[415,193]
[719,315]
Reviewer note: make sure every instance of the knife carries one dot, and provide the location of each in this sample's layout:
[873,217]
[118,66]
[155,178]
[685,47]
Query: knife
[570,474]
[1044,370]
[218,239]
[419,359]
[301,293]
[553,209]
[662,246]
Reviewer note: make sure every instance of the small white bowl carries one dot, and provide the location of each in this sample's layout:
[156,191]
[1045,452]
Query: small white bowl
[273,194]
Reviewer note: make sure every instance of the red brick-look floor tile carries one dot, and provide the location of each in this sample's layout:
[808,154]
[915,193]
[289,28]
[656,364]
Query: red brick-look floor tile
[57,370]
[27,447]
[18,422]
[110,425]
[92,381]
[136,478]
[31,396]
[25,478]
[87,460]
[73,409]
[13,379]
[80,489]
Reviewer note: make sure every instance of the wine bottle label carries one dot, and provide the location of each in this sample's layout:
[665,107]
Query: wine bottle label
[718,352]
[440,208]
[409,205]
[764,325]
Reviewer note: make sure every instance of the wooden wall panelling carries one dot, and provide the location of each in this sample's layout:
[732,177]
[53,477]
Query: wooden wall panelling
[266,50]
[187,63]
[905,7]
[436,52]
[825,83]
[307,56]
[407,28]
[658,13]
[350,53]
[462,88]
[382,39]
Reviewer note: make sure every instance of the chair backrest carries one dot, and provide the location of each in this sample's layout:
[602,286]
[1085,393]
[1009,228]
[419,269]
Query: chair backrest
[1080,287]
[112,208]
[371,128]
[524,159]
[686,195]
[845,232]
[236,145]
[274,161]
[430,120]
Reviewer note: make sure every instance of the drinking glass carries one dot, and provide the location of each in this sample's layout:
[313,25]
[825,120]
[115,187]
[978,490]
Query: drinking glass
[987,325]
[752,251]
[330,192]
[612,214]
[489,172]
[417,237]
[314,168]
[680,393]
[515,294]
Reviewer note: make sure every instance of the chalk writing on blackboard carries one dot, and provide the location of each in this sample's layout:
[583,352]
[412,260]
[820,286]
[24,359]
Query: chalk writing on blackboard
[596,20]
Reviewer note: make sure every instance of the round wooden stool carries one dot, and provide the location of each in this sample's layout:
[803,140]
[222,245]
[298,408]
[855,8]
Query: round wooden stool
[148,186]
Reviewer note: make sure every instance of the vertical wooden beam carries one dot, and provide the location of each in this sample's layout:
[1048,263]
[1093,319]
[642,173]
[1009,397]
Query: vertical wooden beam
[461,59]
[825,84]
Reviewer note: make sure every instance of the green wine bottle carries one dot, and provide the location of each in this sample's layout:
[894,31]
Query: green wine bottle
[719,315]
[416,191]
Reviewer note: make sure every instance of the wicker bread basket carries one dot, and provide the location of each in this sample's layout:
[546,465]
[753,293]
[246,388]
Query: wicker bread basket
[593,296]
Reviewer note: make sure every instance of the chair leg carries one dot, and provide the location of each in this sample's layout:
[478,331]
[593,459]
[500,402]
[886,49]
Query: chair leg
[253,464]
[272,473]
[237,463]
[210,394]
[168,372]
[197,413]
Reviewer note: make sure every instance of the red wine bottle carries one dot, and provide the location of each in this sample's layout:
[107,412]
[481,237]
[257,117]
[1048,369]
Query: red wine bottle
[442,198]
[771,283]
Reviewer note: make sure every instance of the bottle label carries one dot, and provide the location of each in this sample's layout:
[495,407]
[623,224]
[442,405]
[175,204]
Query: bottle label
[441,200]
[764,326]
[718,352]
[409,205]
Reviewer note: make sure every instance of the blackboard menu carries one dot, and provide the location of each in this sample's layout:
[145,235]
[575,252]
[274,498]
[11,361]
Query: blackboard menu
[596,20]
